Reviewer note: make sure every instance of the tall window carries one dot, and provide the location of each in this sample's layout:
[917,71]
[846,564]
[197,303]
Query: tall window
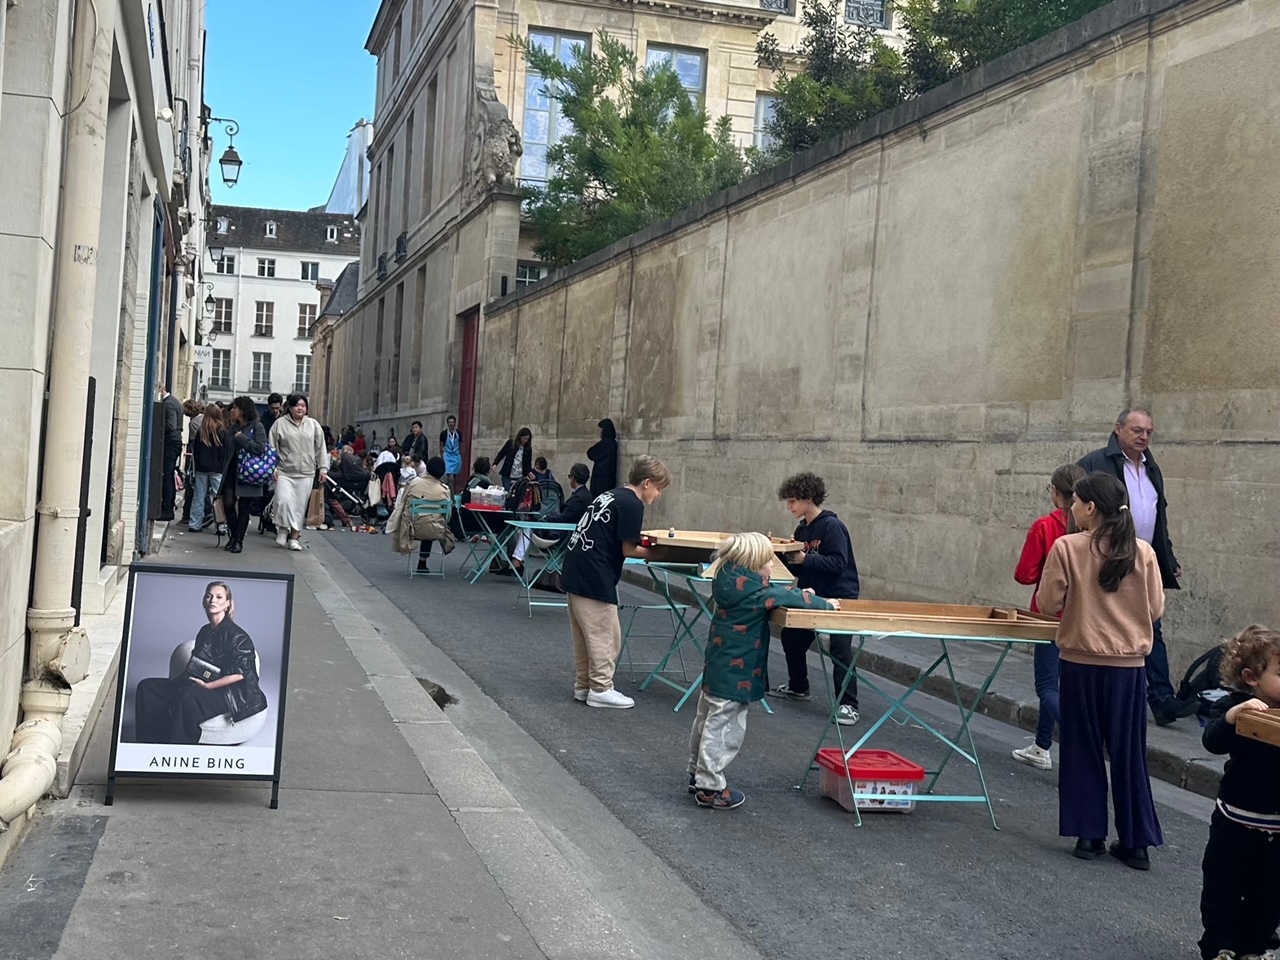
[226,264]
[266,266]
[777,6]
[544,123]
[264,319]
[222,307]
[302,373]
[331,234]
[766,104]
[271,228]
[528,274]
[871,13]
[220,372]
[690,66]
[306,320]
[261,372]
[310,270]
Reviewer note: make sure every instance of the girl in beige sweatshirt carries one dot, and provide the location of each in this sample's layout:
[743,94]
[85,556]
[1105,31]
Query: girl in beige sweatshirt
[1105,583]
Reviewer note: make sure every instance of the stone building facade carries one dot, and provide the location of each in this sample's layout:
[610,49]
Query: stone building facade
[459,123]
[265,297]
[936,310]
[104,146]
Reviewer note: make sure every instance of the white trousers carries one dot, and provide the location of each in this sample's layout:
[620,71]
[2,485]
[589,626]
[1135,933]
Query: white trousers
[290,504]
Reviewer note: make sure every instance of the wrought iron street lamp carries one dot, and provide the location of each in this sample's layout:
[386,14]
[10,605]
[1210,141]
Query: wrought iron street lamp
[230,162]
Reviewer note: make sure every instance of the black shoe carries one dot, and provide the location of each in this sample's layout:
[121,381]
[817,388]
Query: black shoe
[1172,710]
[693,785]
[1089,849]
[422,566]
[230,543]
[236,546]
[1135,857]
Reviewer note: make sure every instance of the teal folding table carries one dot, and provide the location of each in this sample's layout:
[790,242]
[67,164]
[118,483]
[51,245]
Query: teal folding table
[554,559]
[899,710]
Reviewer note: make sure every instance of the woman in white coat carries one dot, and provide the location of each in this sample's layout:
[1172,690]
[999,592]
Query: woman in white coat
[299,440]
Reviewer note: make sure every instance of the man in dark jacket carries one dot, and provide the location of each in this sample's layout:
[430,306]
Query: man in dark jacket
[1127,458]
[570,511]
[171,409]
[415,444]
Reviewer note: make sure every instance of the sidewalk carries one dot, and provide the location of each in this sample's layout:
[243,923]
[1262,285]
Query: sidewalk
[1174,753]
[393,838]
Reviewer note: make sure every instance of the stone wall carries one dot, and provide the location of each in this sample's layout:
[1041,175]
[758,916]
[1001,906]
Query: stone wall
[939,308]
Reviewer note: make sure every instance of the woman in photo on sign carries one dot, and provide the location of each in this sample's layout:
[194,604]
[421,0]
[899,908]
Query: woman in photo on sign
[221,678]
[1105,584]
[248,439]
[299,441]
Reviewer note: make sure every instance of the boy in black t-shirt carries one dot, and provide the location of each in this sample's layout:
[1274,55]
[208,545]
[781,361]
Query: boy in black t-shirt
[607,533]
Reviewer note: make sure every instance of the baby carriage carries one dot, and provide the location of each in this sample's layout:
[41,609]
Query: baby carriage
[355,501]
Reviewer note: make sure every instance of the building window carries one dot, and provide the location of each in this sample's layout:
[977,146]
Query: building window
[331,234]
[226,264]
[302,374]
[690,66]
[870,13]
[766,104]
[220,372]
[544,123]
[264,319]
[310,270]
[223,226]
[527,274]
[266,267]
[777,6]
[271,228]
[261,372]
[222,315]
[306,320]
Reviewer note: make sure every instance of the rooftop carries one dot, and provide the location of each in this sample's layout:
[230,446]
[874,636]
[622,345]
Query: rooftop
[304,231]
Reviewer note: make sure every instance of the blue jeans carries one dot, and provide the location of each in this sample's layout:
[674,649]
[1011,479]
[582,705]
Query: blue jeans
[1159,687]
[207,486]
[1046,667]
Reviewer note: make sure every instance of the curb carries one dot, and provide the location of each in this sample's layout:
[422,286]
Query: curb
[1196,775]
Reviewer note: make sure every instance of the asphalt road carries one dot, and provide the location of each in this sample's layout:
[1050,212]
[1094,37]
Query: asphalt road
[789,870]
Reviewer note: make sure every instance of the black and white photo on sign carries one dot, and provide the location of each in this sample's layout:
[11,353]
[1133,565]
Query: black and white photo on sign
[202,676]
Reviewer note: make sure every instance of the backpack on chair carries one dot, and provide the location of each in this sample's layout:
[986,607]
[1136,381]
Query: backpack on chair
[1203,682]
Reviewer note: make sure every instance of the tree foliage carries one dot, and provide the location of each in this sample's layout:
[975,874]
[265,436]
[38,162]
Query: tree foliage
[637,149]
[848,73]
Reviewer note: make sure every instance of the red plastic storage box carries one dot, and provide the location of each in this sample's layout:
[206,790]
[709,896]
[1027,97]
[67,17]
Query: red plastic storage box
[879,772]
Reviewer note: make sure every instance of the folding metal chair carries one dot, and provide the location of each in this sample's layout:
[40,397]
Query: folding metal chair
[419,508]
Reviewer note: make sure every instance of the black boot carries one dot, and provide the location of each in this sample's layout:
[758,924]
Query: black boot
[1090,849]
[236,546]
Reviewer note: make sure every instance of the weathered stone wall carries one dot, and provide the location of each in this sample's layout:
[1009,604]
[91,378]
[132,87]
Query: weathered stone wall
[941,307]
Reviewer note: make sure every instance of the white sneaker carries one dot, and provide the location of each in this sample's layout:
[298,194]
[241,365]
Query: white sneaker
[295,545]
[846,716]
[610,698]
[580,694]
[281,537]
[1034,756]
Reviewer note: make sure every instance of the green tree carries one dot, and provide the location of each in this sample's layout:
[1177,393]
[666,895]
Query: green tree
[637,150]
[848,73]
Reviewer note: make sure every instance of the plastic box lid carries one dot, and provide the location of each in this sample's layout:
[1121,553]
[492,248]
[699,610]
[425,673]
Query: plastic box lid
[871,764]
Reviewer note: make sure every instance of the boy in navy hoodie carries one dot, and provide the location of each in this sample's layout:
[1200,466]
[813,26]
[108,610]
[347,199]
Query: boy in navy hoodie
[826,566]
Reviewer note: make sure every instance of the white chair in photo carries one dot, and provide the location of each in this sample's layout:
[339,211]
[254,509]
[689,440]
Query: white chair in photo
[220,731]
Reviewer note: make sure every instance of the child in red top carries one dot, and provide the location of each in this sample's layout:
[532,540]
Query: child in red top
[1040,538]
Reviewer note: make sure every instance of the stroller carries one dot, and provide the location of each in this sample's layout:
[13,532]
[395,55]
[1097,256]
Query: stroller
[357,506]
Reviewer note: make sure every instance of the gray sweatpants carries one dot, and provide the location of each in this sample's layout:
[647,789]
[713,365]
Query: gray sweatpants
[716,738]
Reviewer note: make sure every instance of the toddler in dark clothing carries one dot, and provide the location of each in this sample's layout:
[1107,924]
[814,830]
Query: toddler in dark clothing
[1240,902]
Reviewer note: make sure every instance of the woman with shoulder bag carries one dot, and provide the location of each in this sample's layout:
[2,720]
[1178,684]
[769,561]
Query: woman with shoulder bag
[249,464]
[299,441]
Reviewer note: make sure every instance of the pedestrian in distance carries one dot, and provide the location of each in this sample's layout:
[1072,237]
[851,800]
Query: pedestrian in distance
[299,441]
[1127,456]
[415,444]
[1040,538]
[1240,900]
[208,455]
[248,438]
[451,451]
[1105,585]
[515,460]
[826,566]
[736,670]
[607,534]
[171,411]
[603,455]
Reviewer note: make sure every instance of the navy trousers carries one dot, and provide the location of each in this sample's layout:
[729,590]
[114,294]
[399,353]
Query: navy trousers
[795,647]
[1104,713]
[1159,684]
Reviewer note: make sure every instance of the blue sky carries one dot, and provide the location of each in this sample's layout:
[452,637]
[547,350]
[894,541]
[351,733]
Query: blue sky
[295,75]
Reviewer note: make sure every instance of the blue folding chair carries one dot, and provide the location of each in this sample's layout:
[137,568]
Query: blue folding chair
[419,508]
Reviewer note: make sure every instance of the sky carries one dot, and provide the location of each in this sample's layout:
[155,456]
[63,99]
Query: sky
[296,77]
